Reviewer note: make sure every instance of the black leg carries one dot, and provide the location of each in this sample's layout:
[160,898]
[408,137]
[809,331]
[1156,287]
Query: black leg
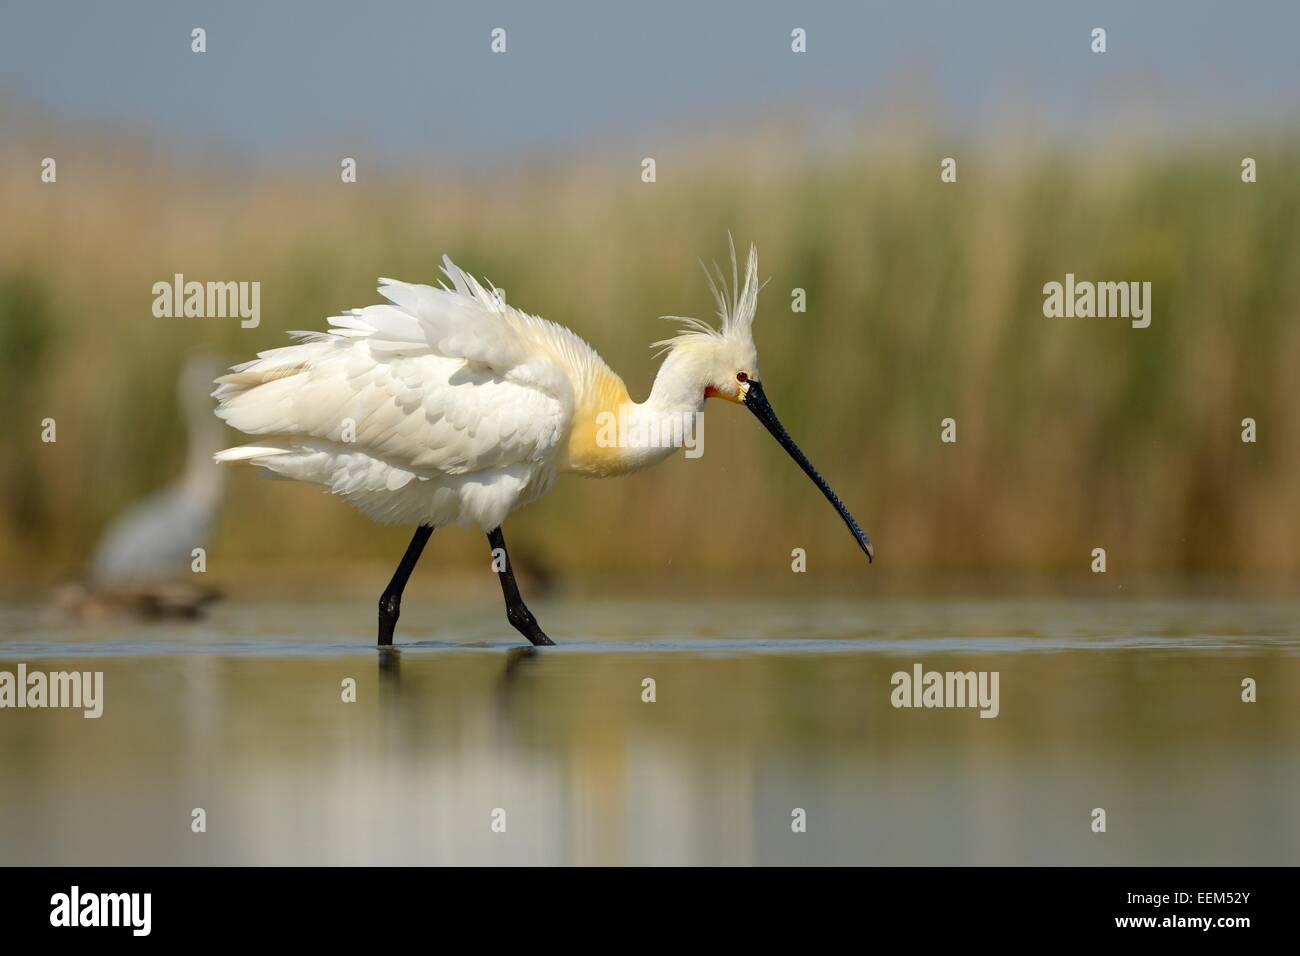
[390,602]
[516,612]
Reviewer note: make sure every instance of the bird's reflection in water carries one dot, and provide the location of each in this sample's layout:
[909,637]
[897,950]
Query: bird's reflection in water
[390,673]
[519,660]
[395,734]
[402,722]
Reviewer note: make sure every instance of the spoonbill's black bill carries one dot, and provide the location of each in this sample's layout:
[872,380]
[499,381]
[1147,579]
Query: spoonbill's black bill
[756,401]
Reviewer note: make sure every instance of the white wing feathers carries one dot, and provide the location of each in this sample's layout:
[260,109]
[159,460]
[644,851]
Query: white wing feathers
[466,322]
[444,405]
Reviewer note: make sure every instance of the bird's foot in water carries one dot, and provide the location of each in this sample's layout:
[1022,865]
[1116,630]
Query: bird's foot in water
[522,620]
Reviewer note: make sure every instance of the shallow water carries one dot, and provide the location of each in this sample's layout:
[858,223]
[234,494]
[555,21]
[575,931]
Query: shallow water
[761,708]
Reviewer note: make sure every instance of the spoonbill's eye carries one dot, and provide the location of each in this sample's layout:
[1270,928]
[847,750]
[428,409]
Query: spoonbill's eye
[742,377]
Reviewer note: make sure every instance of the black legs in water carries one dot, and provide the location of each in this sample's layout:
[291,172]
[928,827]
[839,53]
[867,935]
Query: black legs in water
[517,612]
[390,603]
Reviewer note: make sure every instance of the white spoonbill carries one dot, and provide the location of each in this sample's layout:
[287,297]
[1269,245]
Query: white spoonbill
[142,564]
[447,406]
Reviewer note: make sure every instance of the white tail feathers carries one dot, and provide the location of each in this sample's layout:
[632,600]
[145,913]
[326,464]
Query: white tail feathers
[247,453]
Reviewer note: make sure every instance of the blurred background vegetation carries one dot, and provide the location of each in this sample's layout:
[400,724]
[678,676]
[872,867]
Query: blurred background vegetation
[924,301]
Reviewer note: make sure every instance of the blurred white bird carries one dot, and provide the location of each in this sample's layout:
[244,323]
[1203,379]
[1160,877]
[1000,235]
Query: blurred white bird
[142,563]
[448,406]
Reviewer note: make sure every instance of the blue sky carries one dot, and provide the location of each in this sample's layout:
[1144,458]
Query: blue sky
[402,80]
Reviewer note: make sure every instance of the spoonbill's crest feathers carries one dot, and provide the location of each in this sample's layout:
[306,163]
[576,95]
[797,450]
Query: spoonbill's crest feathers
[736,306]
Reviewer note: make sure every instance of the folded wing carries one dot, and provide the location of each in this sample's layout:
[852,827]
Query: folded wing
[441,388]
